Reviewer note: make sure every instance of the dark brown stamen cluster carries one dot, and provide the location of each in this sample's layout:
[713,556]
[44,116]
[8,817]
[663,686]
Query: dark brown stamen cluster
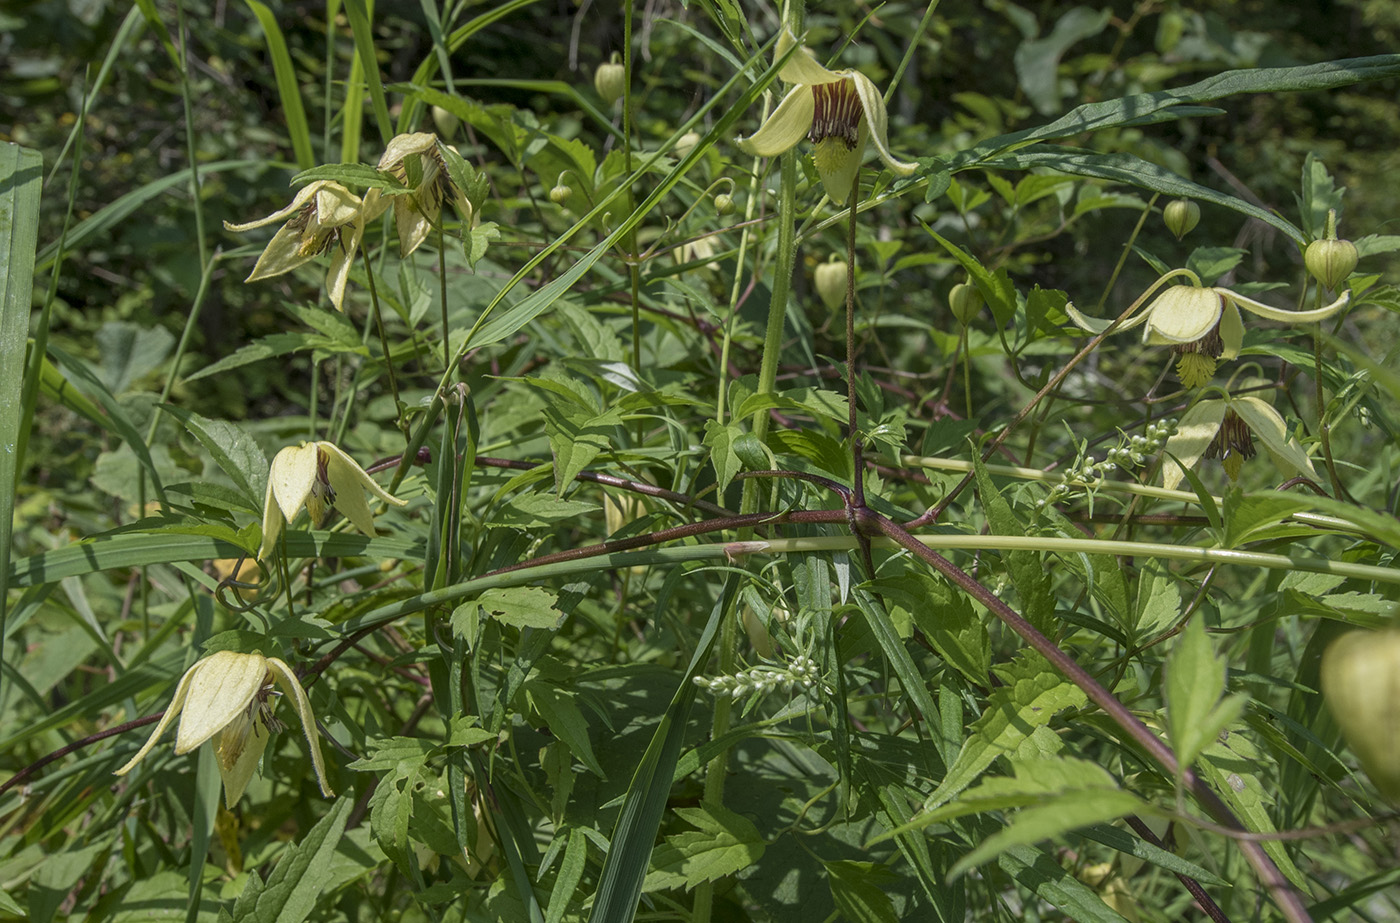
[1233,444]
[837,113]
[1210,345]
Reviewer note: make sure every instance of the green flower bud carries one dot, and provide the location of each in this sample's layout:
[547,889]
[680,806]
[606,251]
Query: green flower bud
[724,203]
[447,123]
[560,194]
[1331,260]
[830,278]
[1180,216]
[610,80]
[1361,686]
[965,301]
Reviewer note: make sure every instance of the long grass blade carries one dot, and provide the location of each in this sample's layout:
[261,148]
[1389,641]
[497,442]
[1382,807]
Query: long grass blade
[287,88]
[21,173]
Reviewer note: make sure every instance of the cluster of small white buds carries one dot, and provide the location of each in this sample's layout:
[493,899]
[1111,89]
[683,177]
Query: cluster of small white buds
[800,673]
[1131,451]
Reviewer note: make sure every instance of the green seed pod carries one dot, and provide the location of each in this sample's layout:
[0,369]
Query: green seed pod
[1361,685]
[830,278]
[560,194]
[965,302]
[724,203]
[1180,216]
[610,80]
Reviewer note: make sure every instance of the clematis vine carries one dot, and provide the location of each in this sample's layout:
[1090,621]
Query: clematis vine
[1202,324]
[324,217]
[1226,429]
[318,476]
[232,695]
[840,111]
[417,161]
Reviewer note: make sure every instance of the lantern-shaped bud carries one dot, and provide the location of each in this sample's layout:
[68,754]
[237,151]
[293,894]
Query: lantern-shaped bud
[1330,260]
[965,302]
[1180,216]
[1361,685]
[610,80]
[561,192]
[831,279]
[724,203]
[446,123]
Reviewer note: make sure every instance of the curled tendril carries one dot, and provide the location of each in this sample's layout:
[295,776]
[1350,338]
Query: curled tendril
[231,584]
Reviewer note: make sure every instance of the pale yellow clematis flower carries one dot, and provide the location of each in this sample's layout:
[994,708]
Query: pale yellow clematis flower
[1226,429]
[231,695]
[417,162]
[839,110]
[324,216]
[1202,323]
[317,475]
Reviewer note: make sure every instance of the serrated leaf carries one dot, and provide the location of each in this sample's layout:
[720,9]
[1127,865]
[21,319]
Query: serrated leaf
[393,753]
[352,176]
[521,606]
[726,843]
[478,241]
[1034,694]
[576,437]
[236,452]
[1039,872]
[1028,573]
[129,352]
[945,617]
[292,889]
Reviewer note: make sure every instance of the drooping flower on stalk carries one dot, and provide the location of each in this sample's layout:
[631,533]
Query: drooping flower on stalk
[417,161]
[1226,429]
[840,111]
[318,476]
[232,695]
[1201,323]
[324,217]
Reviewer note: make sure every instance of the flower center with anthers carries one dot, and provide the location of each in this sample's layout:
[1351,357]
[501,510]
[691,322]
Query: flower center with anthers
[322,493]
[1233,444]
[317,241]
[837,113]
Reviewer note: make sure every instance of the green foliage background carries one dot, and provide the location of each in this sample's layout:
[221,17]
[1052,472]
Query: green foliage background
[799,730]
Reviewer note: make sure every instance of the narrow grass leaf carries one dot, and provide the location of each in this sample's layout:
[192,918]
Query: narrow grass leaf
[287,88]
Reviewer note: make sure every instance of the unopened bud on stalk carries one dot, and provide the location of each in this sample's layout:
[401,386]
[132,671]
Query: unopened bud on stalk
[610,80]
[560,194]
[1361,685]
[724,203]
[1331,260]
[447,123]
[831,278]
[965,302]
[1180,216]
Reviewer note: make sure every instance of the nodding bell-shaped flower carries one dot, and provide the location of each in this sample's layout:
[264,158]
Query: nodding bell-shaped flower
[1226,429]
[1202,324]
[838,110]
[318,476]
[232,695]
[417,162]
[324,216]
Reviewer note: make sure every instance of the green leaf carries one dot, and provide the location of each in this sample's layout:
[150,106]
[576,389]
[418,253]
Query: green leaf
[856,889]
[523,607]
[1040,872]
[570,874]
[1248,514]
[1028,573]
[1195,682]
[912,682]
[274,344]
[725,843]
[291,891]
[479,240]
[21,175]
[393,753]
[720,438]
[236,452]
[1038,60]
[129,352]
[945,617]
[576,438]
[1034,694]
[530,511]
[565,720]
